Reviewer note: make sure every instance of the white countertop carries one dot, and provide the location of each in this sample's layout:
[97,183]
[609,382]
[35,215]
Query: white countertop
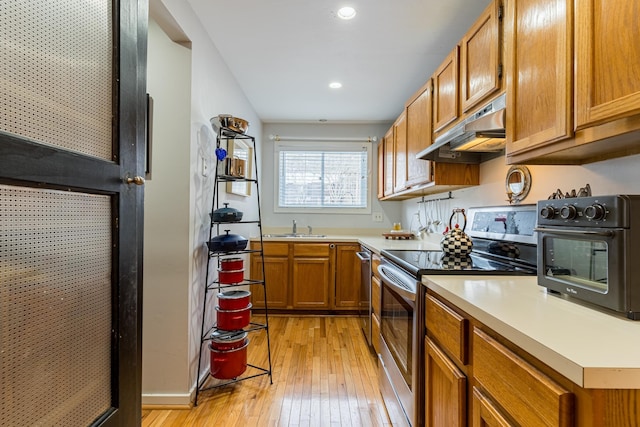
[375,243]
[591,348]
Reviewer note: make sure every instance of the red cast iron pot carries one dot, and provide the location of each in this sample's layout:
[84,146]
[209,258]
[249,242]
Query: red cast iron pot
[231,320]
[228,364]
[234,300]
[230,264]
[228,340]
[232,276]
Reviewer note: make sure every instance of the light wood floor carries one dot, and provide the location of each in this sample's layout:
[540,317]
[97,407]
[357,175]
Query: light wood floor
[323,375]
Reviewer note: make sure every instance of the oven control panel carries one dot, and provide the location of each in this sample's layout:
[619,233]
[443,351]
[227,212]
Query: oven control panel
[595,211]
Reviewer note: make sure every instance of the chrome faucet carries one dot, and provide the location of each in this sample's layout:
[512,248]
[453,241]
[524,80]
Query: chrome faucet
[310,229]
[295,227]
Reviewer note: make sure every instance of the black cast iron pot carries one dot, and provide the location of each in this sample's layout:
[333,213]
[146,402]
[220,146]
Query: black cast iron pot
[226,214]
[227,243]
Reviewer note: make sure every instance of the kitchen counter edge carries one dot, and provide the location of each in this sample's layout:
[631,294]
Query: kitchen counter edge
[593,349]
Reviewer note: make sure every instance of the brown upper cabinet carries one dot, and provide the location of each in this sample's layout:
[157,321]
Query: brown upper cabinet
[553,117]
[400,144]
[389,162]
[480,59]
[607,61]
[419,133]
[381,169]
[538,64]
[446,106]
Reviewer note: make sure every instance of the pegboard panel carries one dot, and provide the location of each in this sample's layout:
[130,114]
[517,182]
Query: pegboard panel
[55,307]
[56,73]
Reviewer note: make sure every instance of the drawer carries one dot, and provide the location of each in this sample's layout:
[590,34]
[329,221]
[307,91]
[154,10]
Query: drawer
[375,295]
[524,393]
[375,333]
[272,249]
[447,327]
[311,249]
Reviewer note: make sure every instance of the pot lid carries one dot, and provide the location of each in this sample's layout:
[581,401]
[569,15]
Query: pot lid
[226,210]
[221,336]
[237,294]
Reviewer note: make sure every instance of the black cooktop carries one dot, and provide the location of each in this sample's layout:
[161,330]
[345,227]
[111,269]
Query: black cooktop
[420,263]
[504,243]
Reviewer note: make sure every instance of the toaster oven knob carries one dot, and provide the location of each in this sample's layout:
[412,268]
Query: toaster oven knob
[547,212]
[568,212]
[595,212]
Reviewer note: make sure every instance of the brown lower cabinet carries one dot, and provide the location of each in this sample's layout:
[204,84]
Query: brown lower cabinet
[376,301]
[308,276]
[476,377]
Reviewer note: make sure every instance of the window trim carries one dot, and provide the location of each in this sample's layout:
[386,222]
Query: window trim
[320,146]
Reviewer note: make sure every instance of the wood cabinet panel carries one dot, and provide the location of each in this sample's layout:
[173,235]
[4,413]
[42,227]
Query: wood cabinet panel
[480,58]
[376,295]
[485,414]
[311,278]
[445,389]
[447,327]
[400,145]
[311,249]
[538,35]
[381,169]
[272,248]
[607,61]
[389,162]
[419,133]
[375,333]
[526,394]
[446,107]
[276,270]
[348,271]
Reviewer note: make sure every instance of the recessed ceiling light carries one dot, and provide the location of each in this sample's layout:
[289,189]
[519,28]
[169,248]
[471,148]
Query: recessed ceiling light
[346,12]
[335,85]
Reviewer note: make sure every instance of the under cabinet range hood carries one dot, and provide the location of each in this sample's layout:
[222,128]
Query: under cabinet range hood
[478,138]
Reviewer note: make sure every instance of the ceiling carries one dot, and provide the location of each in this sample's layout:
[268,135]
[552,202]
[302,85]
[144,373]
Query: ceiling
[284,53]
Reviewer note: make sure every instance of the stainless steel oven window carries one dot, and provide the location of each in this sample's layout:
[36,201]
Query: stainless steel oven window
[396,327]
[579,262]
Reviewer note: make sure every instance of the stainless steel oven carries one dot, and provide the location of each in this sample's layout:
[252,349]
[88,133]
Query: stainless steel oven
[503,243]
[587,250]
[401,329]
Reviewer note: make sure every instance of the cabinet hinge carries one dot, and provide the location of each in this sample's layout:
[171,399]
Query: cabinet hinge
[500,71]
[500,12]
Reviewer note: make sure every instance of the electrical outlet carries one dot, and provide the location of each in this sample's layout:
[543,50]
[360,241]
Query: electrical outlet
[205,167]
[377,217]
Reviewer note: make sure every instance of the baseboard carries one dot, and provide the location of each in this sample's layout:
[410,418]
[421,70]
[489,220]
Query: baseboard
[175,401]
[172,401]
[154,407]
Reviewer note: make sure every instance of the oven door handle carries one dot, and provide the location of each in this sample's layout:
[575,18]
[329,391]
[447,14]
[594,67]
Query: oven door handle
[397,288]
[575,232]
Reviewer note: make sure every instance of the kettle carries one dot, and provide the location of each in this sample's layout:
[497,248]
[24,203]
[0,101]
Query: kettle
[455,241]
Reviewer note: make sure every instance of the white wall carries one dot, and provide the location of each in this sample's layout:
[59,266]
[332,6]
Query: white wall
[213,91]
[617,176]
[167,247]
[323,222]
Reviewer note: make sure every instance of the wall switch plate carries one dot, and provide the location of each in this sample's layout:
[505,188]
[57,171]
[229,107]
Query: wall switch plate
[377,217]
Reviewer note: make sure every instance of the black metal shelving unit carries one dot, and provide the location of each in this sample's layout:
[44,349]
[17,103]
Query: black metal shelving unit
[225,135]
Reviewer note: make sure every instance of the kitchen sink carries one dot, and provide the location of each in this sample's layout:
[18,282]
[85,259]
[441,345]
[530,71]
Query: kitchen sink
[296,235]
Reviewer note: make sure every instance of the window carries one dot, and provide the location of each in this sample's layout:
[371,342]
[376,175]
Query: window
[328,178]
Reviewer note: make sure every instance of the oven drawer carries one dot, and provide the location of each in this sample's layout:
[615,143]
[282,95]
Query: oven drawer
[447,327]
[526,394]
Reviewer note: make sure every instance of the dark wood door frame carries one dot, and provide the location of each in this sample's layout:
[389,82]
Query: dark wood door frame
[28,163]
